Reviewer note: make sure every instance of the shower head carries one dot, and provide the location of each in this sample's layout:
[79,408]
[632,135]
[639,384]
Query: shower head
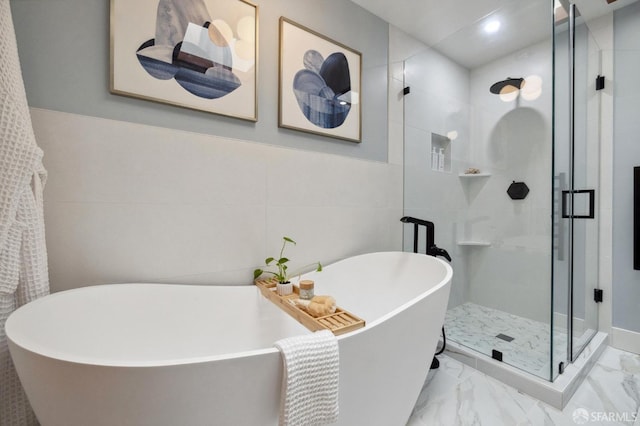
[513,83]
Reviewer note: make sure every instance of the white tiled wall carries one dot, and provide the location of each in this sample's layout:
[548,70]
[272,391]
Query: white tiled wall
[401,47]
[438,104]
[128,202]
[511,141]
[602,30]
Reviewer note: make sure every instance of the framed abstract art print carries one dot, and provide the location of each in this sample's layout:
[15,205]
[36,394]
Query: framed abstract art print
[199,54]
[319,84]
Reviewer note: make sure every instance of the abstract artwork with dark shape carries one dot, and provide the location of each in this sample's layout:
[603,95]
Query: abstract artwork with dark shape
[200,59]
[320,84]
[323,89]
[214,83]
[156,68]
[335,71]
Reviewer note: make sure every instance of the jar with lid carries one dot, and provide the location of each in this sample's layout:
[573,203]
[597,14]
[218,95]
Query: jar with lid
[306,289]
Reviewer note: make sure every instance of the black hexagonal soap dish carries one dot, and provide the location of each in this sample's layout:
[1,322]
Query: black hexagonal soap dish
[518,190]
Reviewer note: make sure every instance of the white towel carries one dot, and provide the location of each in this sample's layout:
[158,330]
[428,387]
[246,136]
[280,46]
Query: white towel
[310,379]
[23,256]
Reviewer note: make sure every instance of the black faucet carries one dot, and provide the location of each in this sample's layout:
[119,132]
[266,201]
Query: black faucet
[432,249]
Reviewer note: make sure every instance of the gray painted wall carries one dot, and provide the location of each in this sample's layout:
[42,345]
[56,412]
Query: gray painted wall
[626,281]
[64,52]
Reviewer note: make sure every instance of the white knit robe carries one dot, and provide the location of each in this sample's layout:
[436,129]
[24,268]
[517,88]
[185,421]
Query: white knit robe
[23,255]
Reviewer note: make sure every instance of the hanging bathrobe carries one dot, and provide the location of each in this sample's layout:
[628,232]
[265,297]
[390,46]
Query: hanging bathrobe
[23,256]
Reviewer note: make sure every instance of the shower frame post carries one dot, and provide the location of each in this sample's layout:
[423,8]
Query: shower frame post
[572,44]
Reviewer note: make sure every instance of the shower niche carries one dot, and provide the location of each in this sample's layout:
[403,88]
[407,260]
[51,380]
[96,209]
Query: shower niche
[440,153]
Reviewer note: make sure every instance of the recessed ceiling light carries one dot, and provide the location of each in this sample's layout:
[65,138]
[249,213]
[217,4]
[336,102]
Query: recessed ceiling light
[491,27]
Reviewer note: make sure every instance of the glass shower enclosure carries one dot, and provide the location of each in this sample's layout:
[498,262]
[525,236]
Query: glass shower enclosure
[501,154]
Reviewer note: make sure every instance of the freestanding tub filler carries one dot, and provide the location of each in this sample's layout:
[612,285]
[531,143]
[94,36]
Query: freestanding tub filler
[164,354]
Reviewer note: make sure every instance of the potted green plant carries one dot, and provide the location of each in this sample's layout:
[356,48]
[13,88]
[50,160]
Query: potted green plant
[281,273]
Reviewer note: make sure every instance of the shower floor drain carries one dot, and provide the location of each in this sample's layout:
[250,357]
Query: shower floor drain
[504,337]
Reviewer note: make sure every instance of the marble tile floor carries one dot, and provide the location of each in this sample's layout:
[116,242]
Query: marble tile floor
[457,395]
[477,326]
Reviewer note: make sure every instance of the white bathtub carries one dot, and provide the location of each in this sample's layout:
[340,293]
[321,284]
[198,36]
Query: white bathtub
[160,354]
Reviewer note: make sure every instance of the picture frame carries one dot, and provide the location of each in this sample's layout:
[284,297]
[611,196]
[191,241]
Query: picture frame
[319,84]
[201,55]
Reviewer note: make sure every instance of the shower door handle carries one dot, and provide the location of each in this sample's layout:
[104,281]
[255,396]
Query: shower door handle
[592,203]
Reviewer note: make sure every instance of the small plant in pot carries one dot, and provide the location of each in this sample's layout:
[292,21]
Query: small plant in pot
[284,286]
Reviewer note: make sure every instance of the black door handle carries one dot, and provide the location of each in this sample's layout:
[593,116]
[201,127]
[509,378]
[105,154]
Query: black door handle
[592,203]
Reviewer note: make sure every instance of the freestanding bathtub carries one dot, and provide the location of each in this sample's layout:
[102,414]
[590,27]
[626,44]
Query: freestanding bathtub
[161,354]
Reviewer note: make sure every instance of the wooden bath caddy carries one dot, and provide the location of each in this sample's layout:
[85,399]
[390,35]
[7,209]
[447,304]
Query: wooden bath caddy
[339,322]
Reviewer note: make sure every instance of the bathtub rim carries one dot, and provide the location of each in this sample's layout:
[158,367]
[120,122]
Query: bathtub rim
[91,362]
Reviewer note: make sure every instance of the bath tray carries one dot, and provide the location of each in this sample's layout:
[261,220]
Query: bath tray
[339,322]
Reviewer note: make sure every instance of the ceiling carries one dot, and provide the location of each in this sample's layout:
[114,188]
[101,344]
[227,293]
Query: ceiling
[456,27]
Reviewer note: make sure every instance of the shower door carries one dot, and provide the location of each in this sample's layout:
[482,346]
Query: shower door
[576,186]
[500,302]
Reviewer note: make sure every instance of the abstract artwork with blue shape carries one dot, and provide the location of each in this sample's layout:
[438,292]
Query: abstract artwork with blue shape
[322,89]
[202,54]
[319,84]
[201,61]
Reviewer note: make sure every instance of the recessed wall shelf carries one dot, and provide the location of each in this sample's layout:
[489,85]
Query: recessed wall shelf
[472,175]
[440,153]
[469,243]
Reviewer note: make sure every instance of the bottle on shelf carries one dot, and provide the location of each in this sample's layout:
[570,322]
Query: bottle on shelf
[434,159]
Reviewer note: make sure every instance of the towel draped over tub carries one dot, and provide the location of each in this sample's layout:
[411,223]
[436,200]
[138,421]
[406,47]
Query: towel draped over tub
[23,255]
[310,379]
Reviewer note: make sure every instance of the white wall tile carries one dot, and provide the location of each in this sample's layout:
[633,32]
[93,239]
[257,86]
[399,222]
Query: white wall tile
[396,143]
[402,45]
[396,101]
[97,243]
[512,141]
[625,340]
[601,29]
[128,202]
[297,178]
